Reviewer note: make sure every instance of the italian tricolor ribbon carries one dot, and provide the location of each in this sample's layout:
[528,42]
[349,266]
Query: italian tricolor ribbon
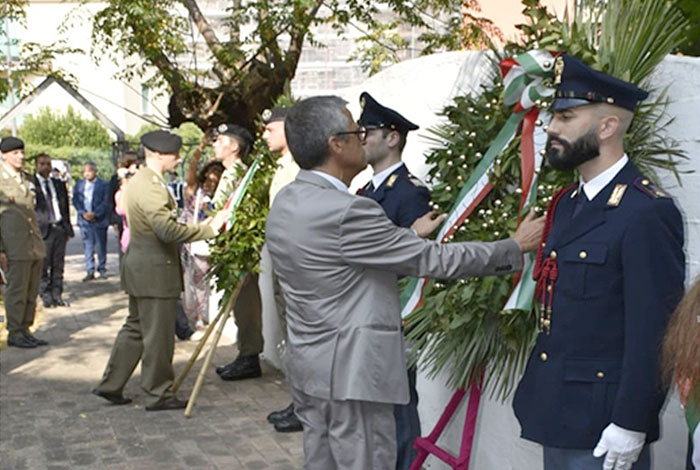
[236,197]
[524,86]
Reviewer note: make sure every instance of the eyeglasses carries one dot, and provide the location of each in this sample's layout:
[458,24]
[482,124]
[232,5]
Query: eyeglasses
[361,133]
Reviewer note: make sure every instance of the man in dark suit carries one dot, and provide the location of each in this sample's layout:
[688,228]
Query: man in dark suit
[91,200]
[54,222]
[404,198]
[609,272]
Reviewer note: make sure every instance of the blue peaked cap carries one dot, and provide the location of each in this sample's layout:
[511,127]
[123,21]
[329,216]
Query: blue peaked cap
[376,115]
[577,84]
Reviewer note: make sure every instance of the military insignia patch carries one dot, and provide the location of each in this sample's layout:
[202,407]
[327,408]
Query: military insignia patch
[362,102]
[616,195]
[391,181]
[267,114]
[558,69]
[222,128]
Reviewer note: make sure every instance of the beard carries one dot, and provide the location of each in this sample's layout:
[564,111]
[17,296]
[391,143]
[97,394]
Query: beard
[583,149]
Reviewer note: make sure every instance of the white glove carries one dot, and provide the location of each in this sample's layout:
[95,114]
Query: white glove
[622,447]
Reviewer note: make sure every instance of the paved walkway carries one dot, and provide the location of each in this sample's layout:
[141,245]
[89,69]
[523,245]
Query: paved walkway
[49,419]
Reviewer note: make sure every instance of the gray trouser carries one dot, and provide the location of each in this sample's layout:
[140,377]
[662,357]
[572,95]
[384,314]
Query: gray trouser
[20,295]
[346,435]
[147,335]
[582,459]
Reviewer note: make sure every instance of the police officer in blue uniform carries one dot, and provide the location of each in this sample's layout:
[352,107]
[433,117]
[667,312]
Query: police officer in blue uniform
[610,270]
[404,198]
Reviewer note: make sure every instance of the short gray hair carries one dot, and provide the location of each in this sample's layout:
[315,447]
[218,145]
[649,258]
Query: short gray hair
[308,126]
[91,164]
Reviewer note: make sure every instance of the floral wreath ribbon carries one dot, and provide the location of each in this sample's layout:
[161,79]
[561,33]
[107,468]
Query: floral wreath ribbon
[524,79]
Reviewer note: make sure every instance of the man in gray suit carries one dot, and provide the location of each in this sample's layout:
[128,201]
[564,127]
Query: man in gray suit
[338,258]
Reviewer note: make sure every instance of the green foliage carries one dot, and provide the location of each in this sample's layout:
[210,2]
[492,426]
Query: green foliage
[12,9]
[252,52]
[76,157]
[237,251]
[461,328]
[68,137]
[49,127]
[691,44]
[379,47]
[34,59]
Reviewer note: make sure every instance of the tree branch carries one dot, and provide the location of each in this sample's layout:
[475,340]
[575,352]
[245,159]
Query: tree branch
[203,25]
[297,38]
[209,35]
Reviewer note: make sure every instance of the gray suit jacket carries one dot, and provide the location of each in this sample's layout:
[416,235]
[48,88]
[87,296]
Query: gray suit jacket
[338,258]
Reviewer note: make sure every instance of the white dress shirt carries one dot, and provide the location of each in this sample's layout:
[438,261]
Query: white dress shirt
[379,178]
[53,196]
[596,185]
[88,191]
[333,180]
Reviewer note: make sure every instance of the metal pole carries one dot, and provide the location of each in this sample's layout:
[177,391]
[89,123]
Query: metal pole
[9,74]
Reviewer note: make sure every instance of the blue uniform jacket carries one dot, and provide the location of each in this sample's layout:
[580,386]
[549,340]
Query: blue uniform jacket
[620,274]
[100,203]
[402,199]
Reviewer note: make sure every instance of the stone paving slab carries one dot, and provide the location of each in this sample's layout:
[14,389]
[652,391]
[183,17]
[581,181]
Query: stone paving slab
[49,419]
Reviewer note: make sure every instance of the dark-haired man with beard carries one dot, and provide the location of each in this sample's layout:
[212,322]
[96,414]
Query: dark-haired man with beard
[609,272]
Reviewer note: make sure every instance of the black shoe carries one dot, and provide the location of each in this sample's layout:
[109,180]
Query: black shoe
[221,369]
[89,277]
[48,303]
[172,403]
[277,416]
[39,342]
[112,397]
[61,303]
[289,424]
[244,367]
[21,342]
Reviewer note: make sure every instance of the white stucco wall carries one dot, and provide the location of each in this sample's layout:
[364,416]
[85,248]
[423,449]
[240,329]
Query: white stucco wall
[419,89]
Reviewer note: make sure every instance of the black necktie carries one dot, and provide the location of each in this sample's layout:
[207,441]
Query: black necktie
[49,202]
[579,201]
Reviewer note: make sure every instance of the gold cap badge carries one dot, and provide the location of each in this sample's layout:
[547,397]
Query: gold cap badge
[558,70]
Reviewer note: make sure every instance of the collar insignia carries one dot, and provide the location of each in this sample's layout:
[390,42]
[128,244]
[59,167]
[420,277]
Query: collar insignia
[616,195]
[391,181]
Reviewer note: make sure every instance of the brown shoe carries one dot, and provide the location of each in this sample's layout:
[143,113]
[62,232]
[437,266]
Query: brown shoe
[172,403]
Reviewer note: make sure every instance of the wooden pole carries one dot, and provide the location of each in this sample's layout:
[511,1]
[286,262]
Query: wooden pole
[222,317]
[202,341]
